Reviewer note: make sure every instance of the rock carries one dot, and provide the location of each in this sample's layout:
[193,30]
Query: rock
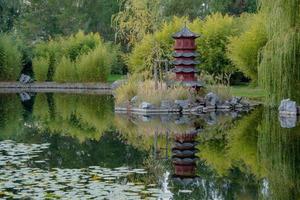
[184,104]
[134,99]
[239,106]
[146,105]
[211,99]
[235,100]
[198,109]
[287,107]
[166,104]
[146,118]
[117,84]
[25,79]
[288,121]
[224,107]
[209,109]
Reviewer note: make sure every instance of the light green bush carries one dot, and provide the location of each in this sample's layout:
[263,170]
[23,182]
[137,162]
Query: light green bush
[80,57]
[10,58]
[40,68]
[66,71]
[96,65]
[245,49]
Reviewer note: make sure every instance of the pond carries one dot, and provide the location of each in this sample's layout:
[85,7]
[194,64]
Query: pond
[65,146]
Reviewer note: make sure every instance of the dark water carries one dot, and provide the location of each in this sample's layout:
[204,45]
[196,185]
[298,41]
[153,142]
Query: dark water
[62,146]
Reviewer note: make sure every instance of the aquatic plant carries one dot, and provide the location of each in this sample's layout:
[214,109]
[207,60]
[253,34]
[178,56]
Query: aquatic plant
[279,71]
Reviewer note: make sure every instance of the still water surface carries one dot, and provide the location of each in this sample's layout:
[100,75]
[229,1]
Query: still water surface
[63,146]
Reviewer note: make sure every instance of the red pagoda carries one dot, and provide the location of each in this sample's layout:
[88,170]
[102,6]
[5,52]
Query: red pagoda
[184,55]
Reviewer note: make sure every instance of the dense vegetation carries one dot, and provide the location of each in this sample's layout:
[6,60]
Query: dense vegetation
[237,43]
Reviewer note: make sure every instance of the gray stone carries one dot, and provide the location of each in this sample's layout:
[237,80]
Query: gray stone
[211,99]
[166,104]
[212,119]
[146,105]
[198,109]
[235,100]
[117,84]
[25,79]
[238,106]
[288,121]
[134,99]
[209,109]
[224,107]
[287,107]
[184,104]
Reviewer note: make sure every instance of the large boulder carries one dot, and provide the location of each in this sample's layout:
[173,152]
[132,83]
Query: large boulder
[165,104]
[211,99]
[287,107]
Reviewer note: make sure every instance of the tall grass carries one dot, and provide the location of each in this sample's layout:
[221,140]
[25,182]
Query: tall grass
[40,67]
[145,91]
[10,58]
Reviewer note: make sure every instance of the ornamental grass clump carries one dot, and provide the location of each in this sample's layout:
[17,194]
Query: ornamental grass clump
[146,92]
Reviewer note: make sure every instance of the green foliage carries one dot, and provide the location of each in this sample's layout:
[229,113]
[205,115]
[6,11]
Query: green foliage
[63,59]
[136,19]
[10,58]
[216,30]
[244,50]
[96,65]
[279,71]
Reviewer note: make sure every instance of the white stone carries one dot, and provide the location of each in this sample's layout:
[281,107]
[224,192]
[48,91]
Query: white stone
[287,107]
[25,78]
[146,105]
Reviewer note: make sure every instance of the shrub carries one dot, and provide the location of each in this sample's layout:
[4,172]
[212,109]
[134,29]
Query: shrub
[72,48]
[40,67]
[244,50]
[66,71]
[10,58]
[96,65]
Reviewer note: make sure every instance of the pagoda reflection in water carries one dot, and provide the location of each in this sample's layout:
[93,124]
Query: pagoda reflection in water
[184,158]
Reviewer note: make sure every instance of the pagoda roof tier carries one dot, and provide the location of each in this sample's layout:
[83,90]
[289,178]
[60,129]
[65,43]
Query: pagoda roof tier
[185,70]
[185,55]
[185,62]
[185,33]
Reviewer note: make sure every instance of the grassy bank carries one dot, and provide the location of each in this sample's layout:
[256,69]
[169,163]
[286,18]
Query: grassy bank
[248,91]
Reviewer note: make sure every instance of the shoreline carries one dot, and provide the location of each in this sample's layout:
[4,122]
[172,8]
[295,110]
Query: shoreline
[49,87]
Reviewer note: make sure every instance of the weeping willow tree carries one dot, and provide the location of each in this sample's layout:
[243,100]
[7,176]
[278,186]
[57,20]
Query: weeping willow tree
[279,71]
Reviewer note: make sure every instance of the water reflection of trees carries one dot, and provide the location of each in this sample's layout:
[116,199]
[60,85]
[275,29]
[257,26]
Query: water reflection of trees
[80,116]
[255,154]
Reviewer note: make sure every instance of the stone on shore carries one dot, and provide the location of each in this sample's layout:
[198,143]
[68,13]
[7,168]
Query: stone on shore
[287,107]
[211,99]
[146,105]
[184,104]
[25,79]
